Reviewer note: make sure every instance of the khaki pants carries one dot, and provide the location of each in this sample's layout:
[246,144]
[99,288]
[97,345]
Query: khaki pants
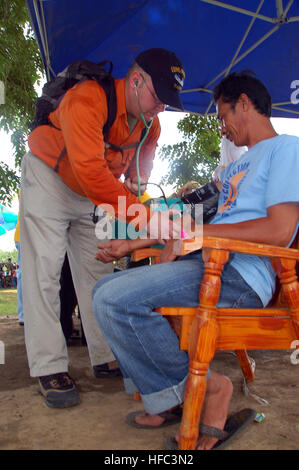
[55,220]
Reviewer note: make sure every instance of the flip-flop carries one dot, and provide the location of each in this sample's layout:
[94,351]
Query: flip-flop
[170,417]
[233,426]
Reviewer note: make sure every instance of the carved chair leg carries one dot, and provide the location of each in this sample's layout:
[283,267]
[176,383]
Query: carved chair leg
[193,403]
[286,270]
[245,365]
[202,347]
[201,351]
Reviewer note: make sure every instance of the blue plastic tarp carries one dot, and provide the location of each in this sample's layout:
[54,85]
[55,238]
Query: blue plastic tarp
[211,38]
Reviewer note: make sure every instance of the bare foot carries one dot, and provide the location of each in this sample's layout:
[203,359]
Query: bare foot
[214,413]
[158,419]
[149,420]
[215,408]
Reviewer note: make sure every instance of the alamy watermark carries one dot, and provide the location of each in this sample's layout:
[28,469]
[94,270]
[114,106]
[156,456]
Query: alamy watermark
[174,223]
[295,93]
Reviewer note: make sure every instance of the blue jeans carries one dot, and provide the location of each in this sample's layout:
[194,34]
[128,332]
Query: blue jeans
[145,346]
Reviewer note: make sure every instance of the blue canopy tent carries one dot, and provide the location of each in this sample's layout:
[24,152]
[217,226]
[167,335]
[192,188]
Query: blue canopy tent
[211,37]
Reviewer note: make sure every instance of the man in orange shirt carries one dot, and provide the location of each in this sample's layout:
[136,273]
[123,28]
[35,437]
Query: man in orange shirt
[56,207]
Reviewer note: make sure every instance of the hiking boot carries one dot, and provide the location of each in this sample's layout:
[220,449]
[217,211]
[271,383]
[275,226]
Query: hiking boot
[59,390]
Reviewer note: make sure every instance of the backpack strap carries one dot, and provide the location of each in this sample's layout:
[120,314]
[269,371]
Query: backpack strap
[94,217]
[59,158]
[121,149]
[115,147]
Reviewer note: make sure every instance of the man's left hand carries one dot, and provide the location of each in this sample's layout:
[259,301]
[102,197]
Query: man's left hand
[132,185]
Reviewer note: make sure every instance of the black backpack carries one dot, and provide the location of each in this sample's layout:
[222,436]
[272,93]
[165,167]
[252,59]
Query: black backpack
[76,72]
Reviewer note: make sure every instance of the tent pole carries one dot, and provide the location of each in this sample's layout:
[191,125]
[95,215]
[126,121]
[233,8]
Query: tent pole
[240,10]
[240,46]
[287,8]
[279,108]
[43,35]
[243,39]
[254,46]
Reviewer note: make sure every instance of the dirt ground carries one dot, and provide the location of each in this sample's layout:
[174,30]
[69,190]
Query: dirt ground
[99,421]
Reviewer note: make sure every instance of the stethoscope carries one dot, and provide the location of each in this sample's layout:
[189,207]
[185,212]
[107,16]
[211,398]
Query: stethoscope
[147,125]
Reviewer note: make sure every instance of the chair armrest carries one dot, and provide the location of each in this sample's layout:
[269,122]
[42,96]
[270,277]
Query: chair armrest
[240,246]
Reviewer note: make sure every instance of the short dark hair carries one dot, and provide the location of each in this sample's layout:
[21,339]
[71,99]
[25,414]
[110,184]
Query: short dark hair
[231,87]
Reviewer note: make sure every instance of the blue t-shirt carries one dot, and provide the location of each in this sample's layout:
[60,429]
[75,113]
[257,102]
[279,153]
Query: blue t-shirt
[265,175]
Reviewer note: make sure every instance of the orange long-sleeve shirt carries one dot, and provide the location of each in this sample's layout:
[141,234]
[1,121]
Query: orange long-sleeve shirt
[88,168]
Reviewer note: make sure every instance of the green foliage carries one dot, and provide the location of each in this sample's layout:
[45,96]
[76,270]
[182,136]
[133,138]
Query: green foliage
[197,155]
[9,183]
[20,68]
[4,255]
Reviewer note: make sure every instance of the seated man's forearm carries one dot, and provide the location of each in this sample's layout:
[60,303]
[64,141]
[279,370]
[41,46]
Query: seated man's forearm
[275,229]
[142,243]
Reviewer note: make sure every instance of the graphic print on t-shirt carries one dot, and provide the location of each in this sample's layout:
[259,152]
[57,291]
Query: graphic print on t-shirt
[231,188]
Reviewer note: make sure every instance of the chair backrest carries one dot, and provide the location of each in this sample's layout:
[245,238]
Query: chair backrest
[278,300]
[295,243]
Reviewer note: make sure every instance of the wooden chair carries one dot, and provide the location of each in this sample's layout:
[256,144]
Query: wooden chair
[206,328]
[178,321]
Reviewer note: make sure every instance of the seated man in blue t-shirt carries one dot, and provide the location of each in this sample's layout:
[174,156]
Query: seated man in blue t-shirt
[259,202]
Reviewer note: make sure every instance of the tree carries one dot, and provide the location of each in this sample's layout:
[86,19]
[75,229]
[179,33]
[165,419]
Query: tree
[197,156]
[20,68]
[4,255]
